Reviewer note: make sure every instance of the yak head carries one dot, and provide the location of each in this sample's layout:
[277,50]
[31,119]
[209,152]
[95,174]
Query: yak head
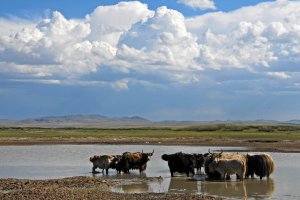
[165,157]
[94,158]
[149,154]
[115,161]
[212,166]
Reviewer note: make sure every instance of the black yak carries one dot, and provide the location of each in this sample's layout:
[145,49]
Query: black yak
[180,162]
[261,164]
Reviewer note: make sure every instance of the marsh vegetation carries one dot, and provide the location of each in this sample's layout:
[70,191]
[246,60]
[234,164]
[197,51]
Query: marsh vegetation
[217,131]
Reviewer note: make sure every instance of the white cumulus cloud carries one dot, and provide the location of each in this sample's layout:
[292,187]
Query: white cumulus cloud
[251,37]
[199,4]
[159,43]
[109,22]
[54,46]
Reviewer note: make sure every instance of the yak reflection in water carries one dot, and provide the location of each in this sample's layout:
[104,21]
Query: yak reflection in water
[249,188]
[134,183]
[183,185]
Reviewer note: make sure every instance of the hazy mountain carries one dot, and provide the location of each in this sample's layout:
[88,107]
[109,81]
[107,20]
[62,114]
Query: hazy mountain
[78,121]
[294,121]
[96,121]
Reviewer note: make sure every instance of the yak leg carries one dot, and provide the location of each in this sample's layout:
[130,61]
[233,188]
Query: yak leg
[227,177]
[172,174]
[187,173]
[222,176]
[94,169]
[106,171]
[240,176]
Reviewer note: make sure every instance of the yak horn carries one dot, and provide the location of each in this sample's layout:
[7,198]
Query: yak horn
[220,153]
[153,151]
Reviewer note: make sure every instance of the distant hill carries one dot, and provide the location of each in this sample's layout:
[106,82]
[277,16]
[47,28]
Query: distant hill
[98,121]
[294,121]
[77,121]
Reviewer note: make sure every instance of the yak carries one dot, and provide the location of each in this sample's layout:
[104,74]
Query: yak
[103,162]
[180,162]
[130,161]
[260,164]
[210,157]
[226,167]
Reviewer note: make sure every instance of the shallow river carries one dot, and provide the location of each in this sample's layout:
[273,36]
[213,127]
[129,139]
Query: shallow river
[57,161]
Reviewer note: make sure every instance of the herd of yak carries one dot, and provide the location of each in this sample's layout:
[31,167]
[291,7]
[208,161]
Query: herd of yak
[216,165]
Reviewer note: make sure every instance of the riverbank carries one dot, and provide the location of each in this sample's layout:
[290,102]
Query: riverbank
[253,145]
[80,188]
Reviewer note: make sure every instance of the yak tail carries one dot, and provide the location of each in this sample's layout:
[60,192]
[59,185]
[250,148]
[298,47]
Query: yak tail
[271,165]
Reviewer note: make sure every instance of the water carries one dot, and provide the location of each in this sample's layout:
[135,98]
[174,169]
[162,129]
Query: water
[58,161]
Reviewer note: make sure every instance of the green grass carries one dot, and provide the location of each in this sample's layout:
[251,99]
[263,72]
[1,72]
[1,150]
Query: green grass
[220,131]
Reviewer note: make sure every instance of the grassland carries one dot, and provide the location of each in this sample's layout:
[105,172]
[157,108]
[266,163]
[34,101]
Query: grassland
[209,131]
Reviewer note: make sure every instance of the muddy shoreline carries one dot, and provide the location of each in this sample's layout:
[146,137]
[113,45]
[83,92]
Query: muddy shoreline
[80,188]
[253,145]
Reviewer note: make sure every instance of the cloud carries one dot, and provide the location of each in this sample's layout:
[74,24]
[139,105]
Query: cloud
[42,81]
[251,37]
[199,4]
[55,46]
[159,44]
[280,75]
[66,48]
[108,23]
[11,26]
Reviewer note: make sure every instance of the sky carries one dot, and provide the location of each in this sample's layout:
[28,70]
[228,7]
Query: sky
[162,60]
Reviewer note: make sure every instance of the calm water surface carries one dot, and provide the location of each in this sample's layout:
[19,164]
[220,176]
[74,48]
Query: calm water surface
[58,161]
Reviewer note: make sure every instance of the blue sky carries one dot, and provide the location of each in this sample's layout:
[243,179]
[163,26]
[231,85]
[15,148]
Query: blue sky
[162,60]
[79,8]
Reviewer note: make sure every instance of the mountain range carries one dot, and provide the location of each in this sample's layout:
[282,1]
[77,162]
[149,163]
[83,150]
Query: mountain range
[98,121]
